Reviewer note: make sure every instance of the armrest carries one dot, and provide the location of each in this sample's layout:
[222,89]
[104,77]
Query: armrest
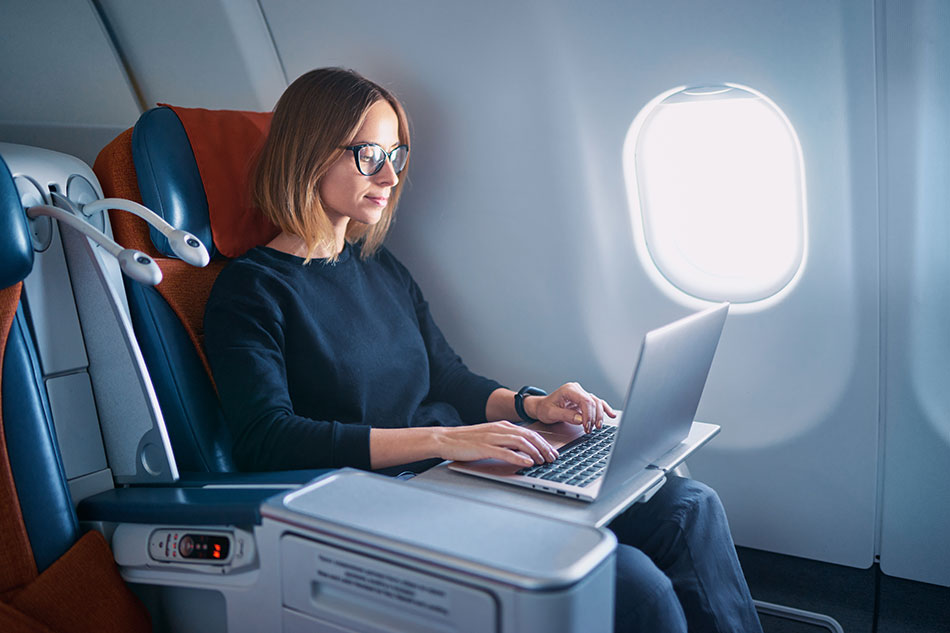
[275,479]
[178,506]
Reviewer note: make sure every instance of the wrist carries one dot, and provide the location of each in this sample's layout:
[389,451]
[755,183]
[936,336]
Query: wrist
[435,441]
[531,404]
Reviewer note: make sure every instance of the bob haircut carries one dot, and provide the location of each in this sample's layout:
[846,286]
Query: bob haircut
[314,119]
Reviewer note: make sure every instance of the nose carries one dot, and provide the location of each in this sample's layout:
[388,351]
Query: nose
[386,176]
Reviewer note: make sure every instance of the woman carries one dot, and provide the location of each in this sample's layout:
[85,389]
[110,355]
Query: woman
[325,355]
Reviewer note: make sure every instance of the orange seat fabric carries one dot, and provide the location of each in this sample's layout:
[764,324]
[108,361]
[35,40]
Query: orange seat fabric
[225,144]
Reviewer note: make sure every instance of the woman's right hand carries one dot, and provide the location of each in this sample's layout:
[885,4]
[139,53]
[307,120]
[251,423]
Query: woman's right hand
[499,440]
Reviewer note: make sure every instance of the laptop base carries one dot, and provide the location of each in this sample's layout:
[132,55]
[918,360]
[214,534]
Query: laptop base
[596,513]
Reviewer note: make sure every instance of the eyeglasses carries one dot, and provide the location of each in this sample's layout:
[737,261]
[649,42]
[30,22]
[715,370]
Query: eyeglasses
[370,157]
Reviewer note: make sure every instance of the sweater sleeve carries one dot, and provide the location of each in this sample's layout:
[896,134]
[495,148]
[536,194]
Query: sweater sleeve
[450,380]
[244,340]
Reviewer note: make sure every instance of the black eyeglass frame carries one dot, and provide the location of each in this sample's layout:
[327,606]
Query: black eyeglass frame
[389,155]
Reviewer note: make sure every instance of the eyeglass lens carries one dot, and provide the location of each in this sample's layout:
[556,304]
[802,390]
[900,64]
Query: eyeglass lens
[370,158]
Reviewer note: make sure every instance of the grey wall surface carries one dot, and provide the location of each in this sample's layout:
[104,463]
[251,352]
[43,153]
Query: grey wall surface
[916,405]
[62,86]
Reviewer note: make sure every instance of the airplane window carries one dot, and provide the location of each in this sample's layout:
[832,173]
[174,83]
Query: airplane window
[716,185]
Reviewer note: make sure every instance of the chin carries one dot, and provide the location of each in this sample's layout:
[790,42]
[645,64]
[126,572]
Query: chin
[370,218]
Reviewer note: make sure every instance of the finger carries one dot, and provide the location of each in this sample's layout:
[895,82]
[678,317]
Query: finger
[583,402]
[549,451]
[578,419]
[522,445]
[609,410]
[512,457]
[598,413]
[563,411]
[585,406]
[536,441]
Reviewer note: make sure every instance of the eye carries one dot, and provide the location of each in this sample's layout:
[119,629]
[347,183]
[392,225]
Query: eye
[369,154]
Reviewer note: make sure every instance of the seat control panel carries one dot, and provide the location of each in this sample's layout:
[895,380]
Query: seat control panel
[197,546]
[198,549]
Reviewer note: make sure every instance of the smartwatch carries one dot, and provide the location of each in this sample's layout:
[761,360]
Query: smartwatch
[519,401]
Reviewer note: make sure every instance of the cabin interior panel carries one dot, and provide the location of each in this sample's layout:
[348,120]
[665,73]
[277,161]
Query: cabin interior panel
[517,223]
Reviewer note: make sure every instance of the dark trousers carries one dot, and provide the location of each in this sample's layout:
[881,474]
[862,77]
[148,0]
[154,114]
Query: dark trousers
[677,569]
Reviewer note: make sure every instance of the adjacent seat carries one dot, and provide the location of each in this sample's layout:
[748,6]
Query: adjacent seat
[52,577]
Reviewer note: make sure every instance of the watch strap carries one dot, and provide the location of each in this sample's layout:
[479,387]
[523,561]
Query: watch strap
[527,390]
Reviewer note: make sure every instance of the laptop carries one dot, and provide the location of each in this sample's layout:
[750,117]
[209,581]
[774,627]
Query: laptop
[657,415]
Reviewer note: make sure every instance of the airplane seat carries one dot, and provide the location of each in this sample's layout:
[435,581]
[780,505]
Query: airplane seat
[191,167]
[52,577]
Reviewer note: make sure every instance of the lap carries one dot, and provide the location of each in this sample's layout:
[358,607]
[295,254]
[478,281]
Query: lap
[679,504]
[682,534]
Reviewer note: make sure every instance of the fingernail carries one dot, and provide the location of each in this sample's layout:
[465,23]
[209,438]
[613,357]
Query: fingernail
[578,418]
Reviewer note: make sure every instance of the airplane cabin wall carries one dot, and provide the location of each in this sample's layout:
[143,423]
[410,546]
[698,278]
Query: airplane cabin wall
[516,225]
[916,403]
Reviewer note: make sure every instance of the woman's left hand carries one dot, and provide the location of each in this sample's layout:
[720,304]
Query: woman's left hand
[572,404]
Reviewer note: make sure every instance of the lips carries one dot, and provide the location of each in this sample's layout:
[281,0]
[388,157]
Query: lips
[379,201]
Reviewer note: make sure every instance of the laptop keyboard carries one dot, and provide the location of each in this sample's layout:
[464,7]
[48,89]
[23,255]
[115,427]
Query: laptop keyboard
[580,462]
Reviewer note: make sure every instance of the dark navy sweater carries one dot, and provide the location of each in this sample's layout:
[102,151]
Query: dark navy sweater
[307,358]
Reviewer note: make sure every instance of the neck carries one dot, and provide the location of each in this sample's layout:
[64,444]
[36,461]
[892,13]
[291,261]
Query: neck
[294,245]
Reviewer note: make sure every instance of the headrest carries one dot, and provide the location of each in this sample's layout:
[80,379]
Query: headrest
[193,167]
[16,248]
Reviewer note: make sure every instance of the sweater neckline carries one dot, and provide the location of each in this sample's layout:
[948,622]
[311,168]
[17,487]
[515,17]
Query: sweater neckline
[345,255]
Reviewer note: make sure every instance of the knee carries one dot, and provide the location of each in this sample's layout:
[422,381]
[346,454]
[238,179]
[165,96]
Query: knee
[691,500]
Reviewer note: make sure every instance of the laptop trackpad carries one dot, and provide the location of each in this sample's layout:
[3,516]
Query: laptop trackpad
[558,434]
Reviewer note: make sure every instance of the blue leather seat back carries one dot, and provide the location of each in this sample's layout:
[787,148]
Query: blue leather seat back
[31,444]
[170,184]
[196,425]
[33,451]
[16,249]
[168,177]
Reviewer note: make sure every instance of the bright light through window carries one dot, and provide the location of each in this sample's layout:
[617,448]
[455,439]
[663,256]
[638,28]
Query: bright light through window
[715,178]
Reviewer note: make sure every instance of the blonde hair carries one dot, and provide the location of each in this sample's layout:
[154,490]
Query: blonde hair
[315,117]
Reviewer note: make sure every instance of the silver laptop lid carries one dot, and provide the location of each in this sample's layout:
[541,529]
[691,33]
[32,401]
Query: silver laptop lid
[664,392]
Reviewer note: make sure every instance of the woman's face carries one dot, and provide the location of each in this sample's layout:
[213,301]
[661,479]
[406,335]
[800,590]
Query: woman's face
[349,195]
